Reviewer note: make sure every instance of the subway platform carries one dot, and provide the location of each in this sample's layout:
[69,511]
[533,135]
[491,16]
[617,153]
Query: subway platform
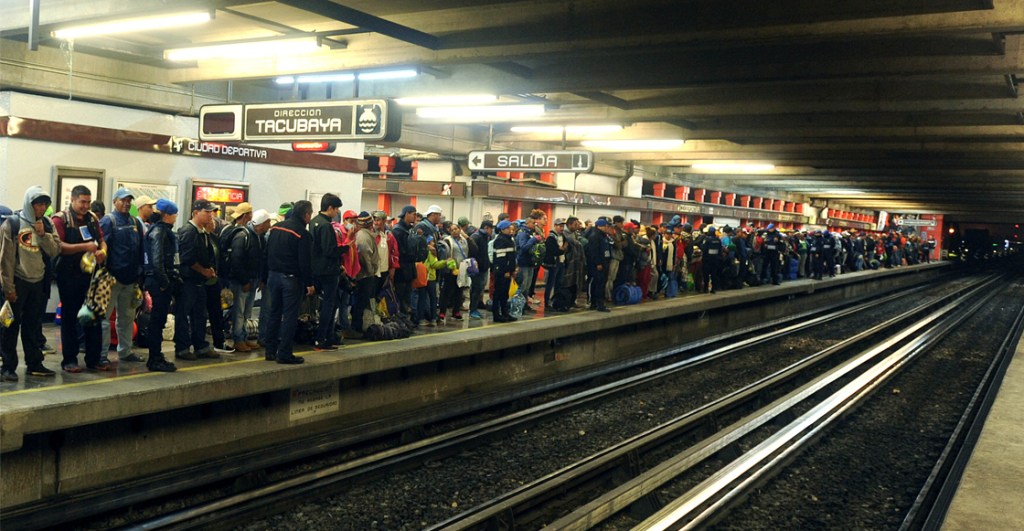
[82,431]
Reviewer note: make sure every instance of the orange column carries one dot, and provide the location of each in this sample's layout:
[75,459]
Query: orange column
[514,209]
[384,203]
[659,189]
[682,193]
[730,199]
[547,177]
[767,204]
[744,201]
[756,202]
[698,194]
[716,198]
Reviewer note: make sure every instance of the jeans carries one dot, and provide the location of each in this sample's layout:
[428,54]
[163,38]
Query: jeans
[264,323]
[215,313]
[365,290]
[283,314]
[524,278]
[242,310]
[427,300]
[122,299]
[190,319]
[28,318]
[476,291]
[327,292]
[554,279]
[72,289]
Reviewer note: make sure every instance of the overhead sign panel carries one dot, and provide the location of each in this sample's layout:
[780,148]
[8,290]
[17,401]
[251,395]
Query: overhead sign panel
[568,161]
[340,121]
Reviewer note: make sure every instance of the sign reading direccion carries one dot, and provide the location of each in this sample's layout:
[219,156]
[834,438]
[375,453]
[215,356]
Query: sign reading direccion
[546,161]
[341,120]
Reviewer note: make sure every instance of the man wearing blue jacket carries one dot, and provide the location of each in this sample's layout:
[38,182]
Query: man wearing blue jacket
[526,239]
[123,234]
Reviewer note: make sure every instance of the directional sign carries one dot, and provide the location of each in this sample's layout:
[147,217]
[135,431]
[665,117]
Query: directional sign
[336,120]
[568,161]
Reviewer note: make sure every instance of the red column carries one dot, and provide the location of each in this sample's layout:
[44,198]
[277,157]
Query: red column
[657,218]
[698,194]
[547,177]
[768,203]
[730,199]
[798,208]
[514,209]
[697,221]
[387,165]
[659,189]
[682,193]
[756,202]
[716,197]
[744,201]
[789,206]
[384,202]
[517,175]
[779,205]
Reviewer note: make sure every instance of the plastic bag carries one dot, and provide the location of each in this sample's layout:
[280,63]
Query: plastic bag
[6,315]
[513,287]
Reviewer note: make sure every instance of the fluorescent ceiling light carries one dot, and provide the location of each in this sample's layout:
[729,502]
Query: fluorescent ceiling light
[133,25]
[388,74]
[481,113]
[634,145]
[315,78]
[734,167]
[246,49]
[464,99]
[569,129]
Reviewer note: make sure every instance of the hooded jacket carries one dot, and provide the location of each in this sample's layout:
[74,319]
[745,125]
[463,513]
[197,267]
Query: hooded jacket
[21,254]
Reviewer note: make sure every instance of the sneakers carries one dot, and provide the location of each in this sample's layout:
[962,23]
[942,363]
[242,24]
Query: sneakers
[210,353]
[103,366]
[475,315]
[324,347]
[40,371]
[8,375]
[223,349]
[133,358]
[47,349]
[291,360]
[161,366]
[457,316]
[72,368]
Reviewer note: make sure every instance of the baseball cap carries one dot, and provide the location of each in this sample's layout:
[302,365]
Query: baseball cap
[407,209]
[166,206]
[629,225]
[559,221]
[463,221]
[434,209]
[349,214]
[144,200]
[122,193]
[241,209]
[284,209]
[203,205]
[504,224]
[601,222]
[380,214]
[260,216]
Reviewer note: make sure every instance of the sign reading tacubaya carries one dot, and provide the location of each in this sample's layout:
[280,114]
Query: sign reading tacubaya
[341,120]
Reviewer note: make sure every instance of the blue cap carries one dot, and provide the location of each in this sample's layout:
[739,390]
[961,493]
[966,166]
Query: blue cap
[771,226]
[122,193]
[166,206]
[601,222]
[504,224]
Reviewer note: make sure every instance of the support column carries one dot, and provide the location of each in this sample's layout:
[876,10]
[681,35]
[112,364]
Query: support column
[768,203]
[547,177]
[756,202]
[730,199]
[716,198]
[384,203]
[682,193]
[514,209]
[779,205]
[698,194]
[744,201]
[659,189]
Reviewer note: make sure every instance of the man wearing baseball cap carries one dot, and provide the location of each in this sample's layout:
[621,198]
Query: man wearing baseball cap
[247,272]
[124,236]
[197,268]
[366,278]
[409,252]
[554,262]
[145,205]
[503,268]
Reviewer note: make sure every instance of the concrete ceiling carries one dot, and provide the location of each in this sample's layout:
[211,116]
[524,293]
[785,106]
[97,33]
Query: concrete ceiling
[901,105]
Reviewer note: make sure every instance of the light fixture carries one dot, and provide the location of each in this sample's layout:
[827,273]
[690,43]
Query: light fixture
[315,78]
[463,99]
[732,167]
[481,113]
[246,49]
[634,144]
[133,25]
[569,129]
[388,74]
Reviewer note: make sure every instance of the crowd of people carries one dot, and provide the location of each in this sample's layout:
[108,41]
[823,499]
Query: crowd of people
[354,266]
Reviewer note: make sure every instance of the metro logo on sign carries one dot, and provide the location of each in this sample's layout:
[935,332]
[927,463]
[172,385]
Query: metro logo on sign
[547,161]
[339,120]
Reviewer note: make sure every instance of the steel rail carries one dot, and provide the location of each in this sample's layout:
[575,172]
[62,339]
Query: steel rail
[932,502]
[521,500]
[83,505]
[313,482]
[704,501]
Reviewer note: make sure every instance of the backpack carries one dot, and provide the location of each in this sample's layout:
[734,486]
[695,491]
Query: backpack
[226,237]
[537,253]
[418,246]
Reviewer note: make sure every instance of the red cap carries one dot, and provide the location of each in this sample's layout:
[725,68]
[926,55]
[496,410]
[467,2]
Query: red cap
[629,225]
[349,214]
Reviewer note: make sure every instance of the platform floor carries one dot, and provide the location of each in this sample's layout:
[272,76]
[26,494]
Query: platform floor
[992,487]
[121,369]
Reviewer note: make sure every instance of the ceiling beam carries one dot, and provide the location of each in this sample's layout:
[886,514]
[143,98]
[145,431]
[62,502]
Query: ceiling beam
[365,20]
